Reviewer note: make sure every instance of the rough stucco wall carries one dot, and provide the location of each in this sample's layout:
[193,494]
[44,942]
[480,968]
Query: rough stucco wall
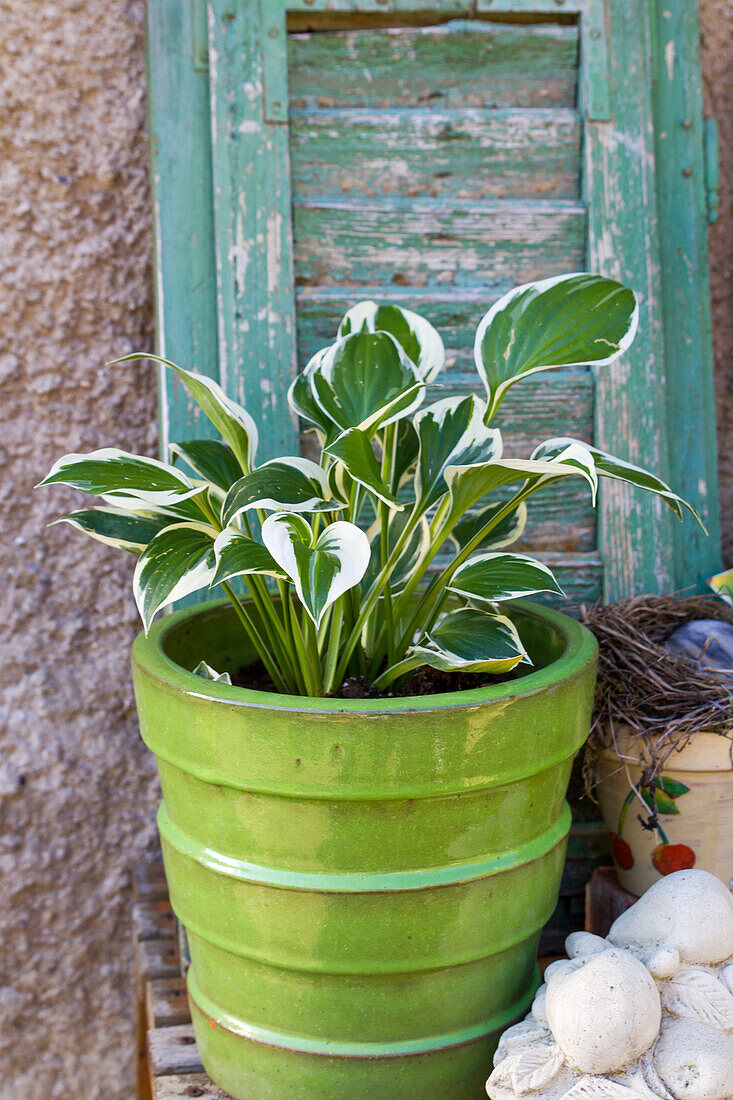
[716,19]
[77,789]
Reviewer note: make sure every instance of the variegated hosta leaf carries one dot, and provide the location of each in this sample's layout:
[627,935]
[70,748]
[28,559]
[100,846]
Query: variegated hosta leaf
[694,994]
[365,381]
[406,453]
[507,530]
[722,584]
[178,561]
[451,433]
[618,470]
[493,577]
[321,569]
[117,475]
[115,527]
[212,460]
[468,484]
[471,640]
[209,673]
[565,321]
[283,485]
[178,510]
[230,419]
[416,546]
[238,556]
[416,336]
[353,448]
[302,400]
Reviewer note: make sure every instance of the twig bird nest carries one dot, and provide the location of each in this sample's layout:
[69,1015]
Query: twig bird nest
[659,694]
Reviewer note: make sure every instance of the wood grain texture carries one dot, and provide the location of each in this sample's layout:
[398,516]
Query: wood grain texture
[173,1050]
[467,154]
[690,397]
[428,244]
[635,530]
[186,1086]
[157,959]
[179,122]
[153,920]
[459,64]
[251,175]
[149,882]
[166,1002]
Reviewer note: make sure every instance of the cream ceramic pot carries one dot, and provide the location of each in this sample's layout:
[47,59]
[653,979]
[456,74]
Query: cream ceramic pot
[694,799]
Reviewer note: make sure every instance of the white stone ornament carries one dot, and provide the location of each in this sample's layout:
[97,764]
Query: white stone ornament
[646,1014]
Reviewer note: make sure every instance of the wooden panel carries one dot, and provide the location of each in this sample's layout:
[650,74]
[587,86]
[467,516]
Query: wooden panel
[427,244]
[153,920]
[149,882]
[690,395]
[459,64]
[183,212]
[188,1085]
[167,1002]
[635,530]
[253,240]
[157,959]
[471,154]
[173,1050]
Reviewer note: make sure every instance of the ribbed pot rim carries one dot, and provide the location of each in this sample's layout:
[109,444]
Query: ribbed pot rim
[149,654]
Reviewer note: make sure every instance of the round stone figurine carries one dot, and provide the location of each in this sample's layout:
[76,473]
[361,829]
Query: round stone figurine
[645,1014]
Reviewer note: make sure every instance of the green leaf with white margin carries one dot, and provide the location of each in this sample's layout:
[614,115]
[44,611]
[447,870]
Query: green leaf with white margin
[507,530]
[415,548]
[230,419]
[321,569]
[113,473]
[471,640]
[209,673]
[291,484]
[468,484]
[115,527]
[211,459]
[237,555]
[177,510]
[366,381]
[722,585]
[406,452]
[353,448]
[493,577]
[569,320]
[451,433]
[415,335]
[302,400]
[178,561]
[616,469]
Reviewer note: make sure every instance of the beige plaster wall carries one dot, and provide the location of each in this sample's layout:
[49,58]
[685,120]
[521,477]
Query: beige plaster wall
[77,789]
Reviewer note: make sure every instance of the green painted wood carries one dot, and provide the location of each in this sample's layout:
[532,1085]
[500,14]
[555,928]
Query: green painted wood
[681,183]
[183,215]
[253,238]
[635,532]
[468,154]
[428,243]
[458,64]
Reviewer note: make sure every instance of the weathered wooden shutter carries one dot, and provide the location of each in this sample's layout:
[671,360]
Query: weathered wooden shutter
[309,153]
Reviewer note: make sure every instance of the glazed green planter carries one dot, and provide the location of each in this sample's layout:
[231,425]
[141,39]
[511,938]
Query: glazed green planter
[363,883]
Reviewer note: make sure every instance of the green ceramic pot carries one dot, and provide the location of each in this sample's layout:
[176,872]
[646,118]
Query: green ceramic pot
[363,883]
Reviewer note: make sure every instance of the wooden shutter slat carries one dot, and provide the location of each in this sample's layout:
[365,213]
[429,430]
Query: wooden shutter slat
[469,154]
[385,243]
[635,529]
[459,64]
[179,122]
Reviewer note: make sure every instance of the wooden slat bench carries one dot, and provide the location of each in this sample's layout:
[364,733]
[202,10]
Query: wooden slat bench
[168,1063]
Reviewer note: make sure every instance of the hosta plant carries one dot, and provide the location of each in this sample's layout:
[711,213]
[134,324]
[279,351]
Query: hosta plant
[391,552]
